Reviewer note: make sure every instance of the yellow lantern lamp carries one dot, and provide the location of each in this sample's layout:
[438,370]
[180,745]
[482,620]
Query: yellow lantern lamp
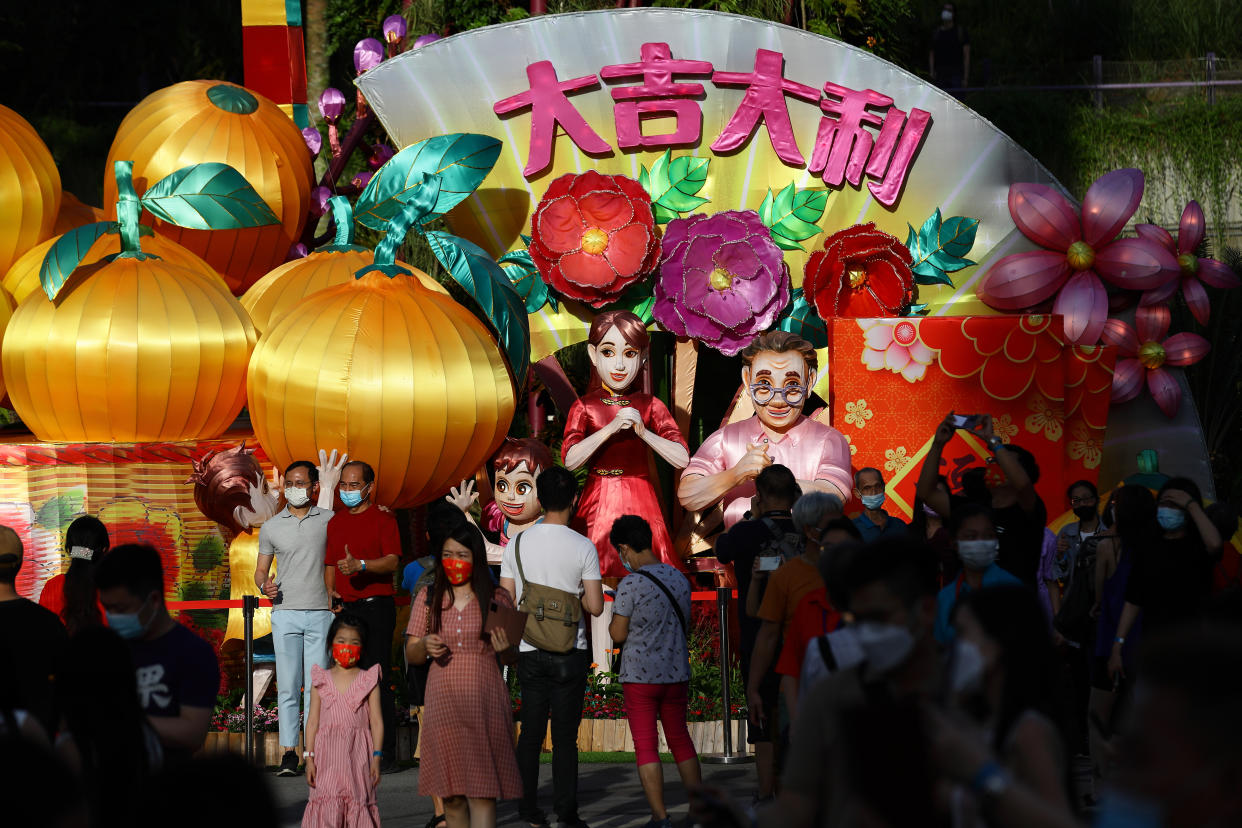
[273,296]
[134,348]
[29,188]
[73,213]
[205,121]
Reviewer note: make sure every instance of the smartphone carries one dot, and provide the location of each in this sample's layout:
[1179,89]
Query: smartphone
[769,563]
[966,421]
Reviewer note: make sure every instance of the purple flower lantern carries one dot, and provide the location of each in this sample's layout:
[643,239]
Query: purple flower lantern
[368,54]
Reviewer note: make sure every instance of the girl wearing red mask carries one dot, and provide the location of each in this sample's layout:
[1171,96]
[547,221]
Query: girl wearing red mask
[342,729]
[467,737]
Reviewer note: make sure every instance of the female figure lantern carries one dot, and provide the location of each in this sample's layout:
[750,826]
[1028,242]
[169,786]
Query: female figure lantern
[612,430]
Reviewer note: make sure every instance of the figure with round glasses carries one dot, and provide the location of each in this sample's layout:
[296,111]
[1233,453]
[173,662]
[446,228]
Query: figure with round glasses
[778,371]
[613,430]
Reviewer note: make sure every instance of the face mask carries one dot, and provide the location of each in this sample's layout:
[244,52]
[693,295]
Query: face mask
[456,570]
[346,655]
[1118,809]
[296,497]
[966,668]
[977,554]
[626,564]
[129,625]
[872,502]
[351,498]
[1084,512]
[1170,518]
[946,16]
[886,645]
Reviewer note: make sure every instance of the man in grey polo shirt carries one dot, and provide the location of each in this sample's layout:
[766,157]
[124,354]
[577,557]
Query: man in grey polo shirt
[301,609]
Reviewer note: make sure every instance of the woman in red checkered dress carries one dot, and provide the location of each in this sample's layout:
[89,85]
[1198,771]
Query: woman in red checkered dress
[467,735]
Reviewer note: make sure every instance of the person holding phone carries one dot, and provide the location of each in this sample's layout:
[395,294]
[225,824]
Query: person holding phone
[467,737]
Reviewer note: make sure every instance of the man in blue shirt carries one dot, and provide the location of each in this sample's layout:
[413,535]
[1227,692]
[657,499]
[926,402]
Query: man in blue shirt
[875,523]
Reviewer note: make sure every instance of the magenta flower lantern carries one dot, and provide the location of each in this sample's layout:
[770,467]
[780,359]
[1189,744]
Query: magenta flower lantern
[721,280]
[423,40]
[379,156]
[331,104]
[1079,252]
[1195,271]
[319,200]
[314,141]
[368,54]
[1144,351]
[394,28]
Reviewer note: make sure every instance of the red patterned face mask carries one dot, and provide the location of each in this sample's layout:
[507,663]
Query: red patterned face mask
[456,570]
[346,655]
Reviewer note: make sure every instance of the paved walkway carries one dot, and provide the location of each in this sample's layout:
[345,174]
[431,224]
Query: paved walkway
[609,796]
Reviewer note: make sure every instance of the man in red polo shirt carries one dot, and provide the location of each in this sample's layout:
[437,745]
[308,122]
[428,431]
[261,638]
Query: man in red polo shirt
[362,554]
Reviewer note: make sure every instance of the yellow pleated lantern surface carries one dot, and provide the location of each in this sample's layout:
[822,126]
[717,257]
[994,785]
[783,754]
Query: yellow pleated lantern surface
[394,373]
[131,351]
[199,121]
[23,277]
[29,188]
[269,299]
[73,213]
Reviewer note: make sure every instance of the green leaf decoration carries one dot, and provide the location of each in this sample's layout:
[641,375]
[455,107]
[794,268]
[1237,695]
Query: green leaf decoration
[672,184]
[791,215]
[918,310]
[211,196]
[800,318]
[939,247]
[461,160]
[529,284]
[638,300]
[422,199]
[481,277]
[67,253]
[60,510]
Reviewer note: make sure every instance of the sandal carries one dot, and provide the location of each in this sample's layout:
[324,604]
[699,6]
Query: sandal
[436,821]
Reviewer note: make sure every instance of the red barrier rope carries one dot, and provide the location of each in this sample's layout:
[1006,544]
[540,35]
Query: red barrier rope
[401,600]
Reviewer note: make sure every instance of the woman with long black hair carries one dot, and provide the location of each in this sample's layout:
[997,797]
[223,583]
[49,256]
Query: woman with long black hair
[467,736]
[73,596]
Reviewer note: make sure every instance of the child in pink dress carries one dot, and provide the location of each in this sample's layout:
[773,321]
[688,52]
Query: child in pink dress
[342,729]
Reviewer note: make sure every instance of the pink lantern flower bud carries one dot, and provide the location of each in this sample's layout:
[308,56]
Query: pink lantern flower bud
[368,54]
[319,200]
[314,141]
[423,40]
[394,28]
[331,104]
[380,155]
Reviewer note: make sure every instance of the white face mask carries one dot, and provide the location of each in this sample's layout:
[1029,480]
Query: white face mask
[977,554]
[296,497]
[946,16]
[966,668]
[886,646]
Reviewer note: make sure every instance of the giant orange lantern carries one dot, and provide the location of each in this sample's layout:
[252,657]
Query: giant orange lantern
[200,121]
[395,373]
[73,213]
[29,188]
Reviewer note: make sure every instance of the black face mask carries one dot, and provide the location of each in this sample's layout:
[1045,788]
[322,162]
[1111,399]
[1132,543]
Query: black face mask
[1084,512]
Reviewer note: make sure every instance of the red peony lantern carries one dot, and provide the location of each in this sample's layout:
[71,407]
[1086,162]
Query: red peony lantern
[862,272]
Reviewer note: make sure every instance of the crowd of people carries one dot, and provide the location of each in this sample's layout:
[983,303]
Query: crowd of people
[946,672]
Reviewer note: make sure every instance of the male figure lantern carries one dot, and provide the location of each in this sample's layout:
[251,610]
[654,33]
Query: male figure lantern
[612,430]
[778,370]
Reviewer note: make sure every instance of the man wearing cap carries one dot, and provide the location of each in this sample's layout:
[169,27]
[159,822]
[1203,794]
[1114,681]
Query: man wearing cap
[32,640]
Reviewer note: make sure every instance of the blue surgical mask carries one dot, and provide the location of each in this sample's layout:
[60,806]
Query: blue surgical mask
[872,502]
[626,564]
[129,625]
[351,498]
[1119,809]
[1170,518]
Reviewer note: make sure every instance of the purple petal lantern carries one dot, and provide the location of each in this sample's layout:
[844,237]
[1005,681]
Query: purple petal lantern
[379,156]
[394,28]
[362,179]
[423,40]
[319,200]
[368,54]
[313,139]
[331,104]
[722,279]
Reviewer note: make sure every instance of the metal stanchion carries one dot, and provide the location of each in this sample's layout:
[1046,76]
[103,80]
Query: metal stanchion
[724,595]
[249,604]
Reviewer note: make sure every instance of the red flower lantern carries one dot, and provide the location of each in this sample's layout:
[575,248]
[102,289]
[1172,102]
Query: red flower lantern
[861,272]
[593,236]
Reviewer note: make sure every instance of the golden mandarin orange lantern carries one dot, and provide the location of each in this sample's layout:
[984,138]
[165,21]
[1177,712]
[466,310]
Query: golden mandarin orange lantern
[133,350]
[73,213]
[23,277]
[29,188]
[396,373]
[6,312]
[203,121]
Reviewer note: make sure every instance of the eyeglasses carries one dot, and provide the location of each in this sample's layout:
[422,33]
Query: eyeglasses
[1083,501]
[762,393]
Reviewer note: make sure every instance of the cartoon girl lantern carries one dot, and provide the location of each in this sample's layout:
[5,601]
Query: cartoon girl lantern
[515,507]
[612,430]
[229,488]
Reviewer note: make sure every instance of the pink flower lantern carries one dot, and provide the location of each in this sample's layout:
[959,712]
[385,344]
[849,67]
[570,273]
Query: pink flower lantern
[1195,271]
[1144,352]
[1079,252]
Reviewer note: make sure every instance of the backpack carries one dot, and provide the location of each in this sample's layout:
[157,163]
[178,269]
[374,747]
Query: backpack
[554,613]
[788,545]
[1074,619]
